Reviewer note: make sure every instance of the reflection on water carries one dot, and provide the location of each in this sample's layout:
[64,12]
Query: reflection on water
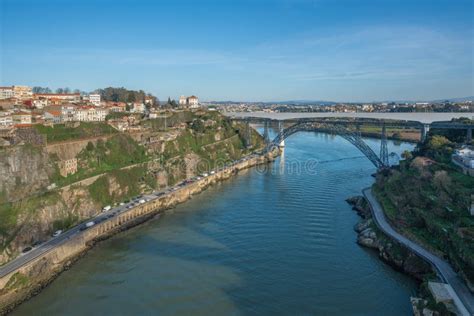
[269,241]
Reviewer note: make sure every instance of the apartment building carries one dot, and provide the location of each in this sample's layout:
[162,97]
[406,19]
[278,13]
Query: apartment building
[6,120]
[21,118]
[56,98]
[90,114]
[6,93]
[22,93]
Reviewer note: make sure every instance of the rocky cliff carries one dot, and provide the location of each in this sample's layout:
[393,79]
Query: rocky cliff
[110,169]
[24,170]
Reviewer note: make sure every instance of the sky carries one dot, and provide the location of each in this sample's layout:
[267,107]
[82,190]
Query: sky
[244,50]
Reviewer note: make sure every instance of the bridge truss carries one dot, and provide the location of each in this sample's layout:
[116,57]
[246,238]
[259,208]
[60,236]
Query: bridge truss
[353,137]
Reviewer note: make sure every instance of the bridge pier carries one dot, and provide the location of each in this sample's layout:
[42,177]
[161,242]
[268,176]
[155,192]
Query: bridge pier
[383,147]
[266,136]
[424,131]
[282,143]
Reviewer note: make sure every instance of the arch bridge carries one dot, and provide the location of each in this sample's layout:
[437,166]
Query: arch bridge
[341,128]
[354,138]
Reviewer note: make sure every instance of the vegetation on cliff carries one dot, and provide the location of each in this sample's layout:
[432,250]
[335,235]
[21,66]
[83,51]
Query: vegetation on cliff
[110,170]
[428,199]
[64,132]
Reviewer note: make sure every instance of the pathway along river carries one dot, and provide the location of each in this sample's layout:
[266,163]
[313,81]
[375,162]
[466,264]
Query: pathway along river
[274,242]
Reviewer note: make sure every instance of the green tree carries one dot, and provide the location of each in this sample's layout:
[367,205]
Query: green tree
[198,126]
[90,146]
[407,155]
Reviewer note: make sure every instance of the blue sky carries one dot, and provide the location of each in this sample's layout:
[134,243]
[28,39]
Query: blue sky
[341,50]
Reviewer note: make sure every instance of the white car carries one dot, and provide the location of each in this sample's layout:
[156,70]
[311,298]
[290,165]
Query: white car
[122,204]
[213,172]
[142,201]
[57,233]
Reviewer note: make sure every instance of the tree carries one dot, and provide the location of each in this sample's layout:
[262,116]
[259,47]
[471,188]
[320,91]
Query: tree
[442,180]
[198,126]
[131,97]
[90,146]
[407,155]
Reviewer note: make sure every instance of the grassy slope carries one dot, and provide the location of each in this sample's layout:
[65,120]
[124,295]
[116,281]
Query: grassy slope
[430,204]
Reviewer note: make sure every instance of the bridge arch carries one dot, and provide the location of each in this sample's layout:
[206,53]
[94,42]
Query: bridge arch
[352,137]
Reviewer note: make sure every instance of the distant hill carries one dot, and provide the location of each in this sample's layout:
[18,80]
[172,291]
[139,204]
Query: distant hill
[304,102]
[322,102]
[456,99]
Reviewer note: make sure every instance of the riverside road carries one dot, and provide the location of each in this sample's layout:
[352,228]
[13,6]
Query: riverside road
[465,300]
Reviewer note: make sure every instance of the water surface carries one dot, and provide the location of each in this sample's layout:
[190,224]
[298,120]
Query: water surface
[268,242]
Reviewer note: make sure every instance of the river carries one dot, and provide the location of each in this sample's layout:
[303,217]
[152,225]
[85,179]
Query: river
[275,241]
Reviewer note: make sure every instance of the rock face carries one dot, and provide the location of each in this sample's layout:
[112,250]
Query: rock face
[391,252]
[23,171]
[47,214]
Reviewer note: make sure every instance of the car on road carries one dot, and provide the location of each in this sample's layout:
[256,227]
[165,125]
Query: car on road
[122,204]
[27,249]
[57,233]
[107,208]
[212,172]
[87,225]
[141,201]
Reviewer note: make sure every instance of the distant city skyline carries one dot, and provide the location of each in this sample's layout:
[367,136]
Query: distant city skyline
[343,51]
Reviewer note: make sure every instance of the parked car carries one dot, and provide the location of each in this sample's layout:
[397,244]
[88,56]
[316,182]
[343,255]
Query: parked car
[142,201]
[27,249]
[107,208]
[57,233]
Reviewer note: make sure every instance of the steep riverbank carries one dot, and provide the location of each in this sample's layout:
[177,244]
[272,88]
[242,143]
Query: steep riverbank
[401,258]
[56,186]
[389,251]
[30,278]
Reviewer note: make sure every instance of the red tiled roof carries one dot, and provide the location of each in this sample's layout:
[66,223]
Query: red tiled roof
[23,125]
[54,112]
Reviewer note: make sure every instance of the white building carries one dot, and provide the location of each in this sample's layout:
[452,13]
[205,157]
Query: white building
[193,101]
[52,116]
[94,99]
[21,118]
[22,92]
[68,113]
[90,114]
[6,93]
[56,97]
[465,156]
[40,103]
[6,120]
[138,107]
